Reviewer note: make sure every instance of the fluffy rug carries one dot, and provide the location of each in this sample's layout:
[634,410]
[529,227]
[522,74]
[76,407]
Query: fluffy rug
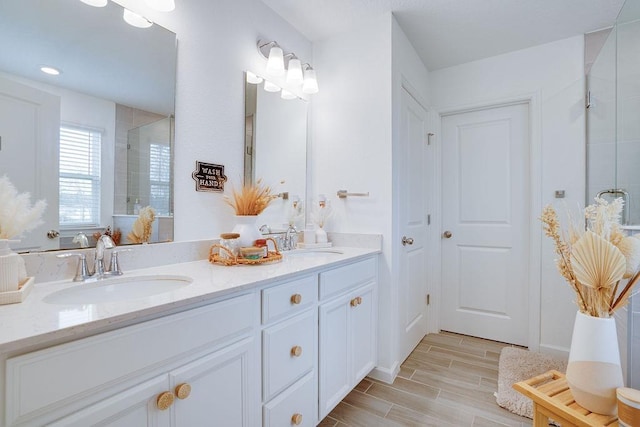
[517,365]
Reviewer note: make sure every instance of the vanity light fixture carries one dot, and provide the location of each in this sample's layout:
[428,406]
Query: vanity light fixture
[253,78]
[50,70]
[161,5]
[294,71]
[310,84]
[270,87]
[95,3]
[136,20]
[287,95]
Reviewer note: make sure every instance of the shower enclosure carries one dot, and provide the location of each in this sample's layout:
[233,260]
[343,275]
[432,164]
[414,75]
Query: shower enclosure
[612,66]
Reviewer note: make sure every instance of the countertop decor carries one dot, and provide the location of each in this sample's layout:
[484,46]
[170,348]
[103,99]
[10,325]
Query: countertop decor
[231,259]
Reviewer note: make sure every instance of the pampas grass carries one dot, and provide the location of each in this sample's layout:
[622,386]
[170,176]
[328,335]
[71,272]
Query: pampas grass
[142,226]
[17,216]
[594,260]
[252,199]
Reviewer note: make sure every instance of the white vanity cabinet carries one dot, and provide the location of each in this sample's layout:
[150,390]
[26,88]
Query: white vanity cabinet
[347,330]
[197,367]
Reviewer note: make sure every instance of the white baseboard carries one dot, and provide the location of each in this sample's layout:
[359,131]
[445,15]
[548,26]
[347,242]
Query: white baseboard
[552,350]
[386,375]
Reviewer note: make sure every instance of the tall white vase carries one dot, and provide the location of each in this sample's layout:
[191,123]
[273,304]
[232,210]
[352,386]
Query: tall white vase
[247,228]
[10,267]
[594,372]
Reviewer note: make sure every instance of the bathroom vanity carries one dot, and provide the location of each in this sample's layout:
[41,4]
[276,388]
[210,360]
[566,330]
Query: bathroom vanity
[270,345]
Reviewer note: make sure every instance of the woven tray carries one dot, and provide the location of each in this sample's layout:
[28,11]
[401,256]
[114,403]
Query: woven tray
[215,258]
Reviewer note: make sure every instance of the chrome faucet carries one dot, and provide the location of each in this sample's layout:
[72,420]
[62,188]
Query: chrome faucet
[290,238]
[104,242]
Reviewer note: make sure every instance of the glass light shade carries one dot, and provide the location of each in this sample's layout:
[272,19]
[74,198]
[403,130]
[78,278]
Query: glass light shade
[95,3]
[294,73]
[161,5]
[310,84]
[275,63]
[135,19]
[270,87]
[253,79]
[287,95]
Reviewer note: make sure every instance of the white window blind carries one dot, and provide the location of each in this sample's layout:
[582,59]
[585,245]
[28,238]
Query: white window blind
[160,178]
[79,176]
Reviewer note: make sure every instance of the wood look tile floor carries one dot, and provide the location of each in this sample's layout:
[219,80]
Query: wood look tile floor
[448,380]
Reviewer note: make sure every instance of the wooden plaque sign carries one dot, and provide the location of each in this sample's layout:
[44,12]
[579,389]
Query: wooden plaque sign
[209,177]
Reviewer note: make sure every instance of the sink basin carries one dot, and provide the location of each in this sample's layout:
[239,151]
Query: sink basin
[118,289]
[312,252]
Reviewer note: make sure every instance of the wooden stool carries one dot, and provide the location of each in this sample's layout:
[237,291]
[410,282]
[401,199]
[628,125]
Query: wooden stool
[552,399]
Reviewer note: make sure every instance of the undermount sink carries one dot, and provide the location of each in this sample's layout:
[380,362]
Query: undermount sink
[313,252]
[118,289]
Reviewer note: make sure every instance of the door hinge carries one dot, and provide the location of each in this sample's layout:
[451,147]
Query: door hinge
[428,219]
[587,101]
[428,299]
[429,136]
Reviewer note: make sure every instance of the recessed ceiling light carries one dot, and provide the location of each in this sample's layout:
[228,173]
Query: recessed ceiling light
[50,70]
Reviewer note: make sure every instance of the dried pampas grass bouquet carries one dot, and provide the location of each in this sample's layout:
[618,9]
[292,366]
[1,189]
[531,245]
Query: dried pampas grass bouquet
[595,259]
[251,199]
[17,216]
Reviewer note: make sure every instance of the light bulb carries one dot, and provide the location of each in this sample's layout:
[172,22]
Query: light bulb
[95,3]
[253,78]
[310,84]
[162,5]
[135,19]
[275,63]
[294,73]
[287,95]
[270,87]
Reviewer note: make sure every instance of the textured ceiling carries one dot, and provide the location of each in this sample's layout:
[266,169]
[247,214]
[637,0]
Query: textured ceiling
[451,32]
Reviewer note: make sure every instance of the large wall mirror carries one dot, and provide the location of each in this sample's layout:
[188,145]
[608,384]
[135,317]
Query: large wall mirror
[95,141]
[276,152]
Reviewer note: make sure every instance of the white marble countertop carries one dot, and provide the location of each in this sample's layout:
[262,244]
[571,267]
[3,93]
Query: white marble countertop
[35,321]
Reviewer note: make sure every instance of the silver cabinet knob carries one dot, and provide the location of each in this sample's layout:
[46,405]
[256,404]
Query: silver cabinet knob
[447,234]
[53,234]
[407,240]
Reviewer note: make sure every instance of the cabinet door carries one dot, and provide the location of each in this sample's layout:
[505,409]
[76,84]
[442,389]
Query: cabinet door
[136,406]
[334,374]
[224,388]
[363,333]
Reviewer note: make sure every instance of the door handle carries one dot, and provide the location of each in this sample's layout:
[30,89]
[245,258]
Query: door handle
[447,234]
[407,240]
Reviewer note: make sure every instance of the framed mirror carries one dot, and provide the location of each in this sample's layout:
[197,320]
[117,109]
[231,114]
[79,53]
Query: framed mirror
[116,85]
[275,153]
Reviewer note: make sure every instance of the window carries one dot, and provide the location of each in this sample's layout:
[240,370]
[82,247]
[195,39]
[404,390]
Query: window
[160,178]
[79,176]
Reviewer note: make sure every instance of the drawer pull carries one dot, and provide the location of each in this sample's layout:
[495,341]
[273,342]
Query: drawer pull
[354,302]
[296,419]
[164,400]
[359,300]
[183,391]
[296,299]
[296,351]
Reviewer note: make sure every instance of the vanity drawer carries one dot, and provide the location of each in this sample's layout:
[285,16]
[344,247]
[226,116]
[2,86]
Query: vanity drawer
[296,404]
[289,298]
[342,279]
[45,380]
[288,352]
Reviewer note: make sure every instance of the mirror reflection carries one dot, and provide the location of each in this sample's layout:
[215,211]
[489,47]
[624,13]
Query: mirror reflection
[95,141]
[276,153]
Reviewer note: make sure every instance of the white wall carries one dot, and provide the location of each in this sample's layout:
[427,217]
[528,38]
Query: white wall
[554,74]
[216,44]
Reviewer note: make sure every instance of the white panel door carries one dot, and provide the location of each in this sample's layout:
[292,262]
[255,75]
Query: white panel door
[30,131]
[412,241]
[485,219]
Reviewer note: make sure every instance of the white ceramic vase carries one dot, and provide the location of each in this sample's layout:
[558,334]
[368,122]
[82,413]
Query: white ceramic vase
[594,372]
[11,267]
[248,230]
